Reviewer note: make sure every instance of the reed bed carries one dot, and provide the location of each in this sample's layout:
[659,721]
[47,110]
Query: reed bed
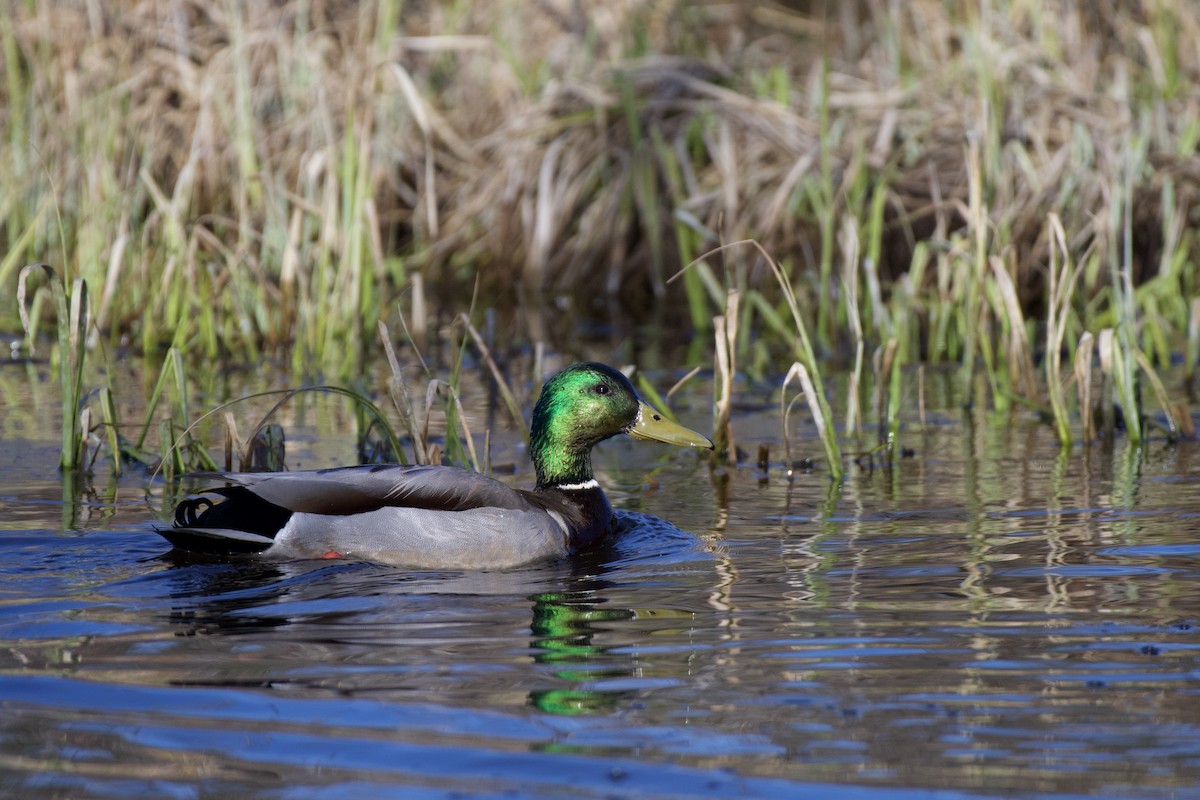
[1001,182]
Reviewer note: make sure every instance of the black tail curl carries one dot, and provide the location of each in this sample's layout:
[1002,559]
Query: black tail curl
[242,522]
[189,512]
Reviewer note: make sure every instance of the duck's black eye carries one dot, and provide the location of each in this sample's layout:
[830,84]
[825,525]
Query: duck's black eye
[601,388]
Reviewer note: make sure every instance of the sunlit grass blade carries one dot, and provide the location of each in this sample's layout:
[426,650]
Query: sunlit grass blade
[1106,351]
[725,331]
[850,283]
[71,316]
[1063,277]
[401,401]
[818,410]
[976,270]
[1018,357]
[108,412]
[1160,392]
[233,442]
[888,385]
[1083,384]
[1192,355]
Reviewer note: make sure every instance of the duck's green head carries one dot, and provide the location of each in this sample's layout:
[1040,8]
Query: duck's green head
[583,405]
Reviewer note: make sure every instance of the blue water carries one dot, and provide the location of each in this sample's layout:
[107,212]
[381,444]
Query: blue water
[982,619]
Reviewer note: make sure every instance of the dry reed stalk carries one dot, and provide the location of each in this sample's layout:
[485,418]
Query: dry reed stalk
[848,240]
[725,327]
[233,443]
[1083,385]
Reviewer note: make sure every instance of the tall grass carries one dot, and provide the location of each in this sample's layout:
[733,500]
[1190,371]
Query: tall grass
[273,178]
[265,176]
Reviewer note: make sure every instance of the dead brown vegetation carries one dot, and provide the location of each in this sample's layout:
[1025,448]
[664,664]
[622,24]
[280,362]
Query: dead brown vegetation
[570,144]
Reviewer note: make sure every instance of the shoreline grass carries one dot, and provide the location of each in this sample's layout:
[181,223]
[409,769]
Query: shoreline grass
[273,177]
[318,164]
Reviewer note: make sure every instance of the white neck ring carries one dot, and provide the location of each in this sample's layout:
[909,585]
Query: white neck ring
[575,487]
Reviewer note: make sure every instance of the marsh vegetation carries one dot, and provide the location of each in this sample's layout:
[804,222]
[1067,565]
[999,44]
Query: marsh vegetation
[1010,188]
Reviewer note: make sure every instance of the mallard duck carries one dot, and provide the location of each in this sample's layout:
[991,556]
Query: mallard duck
[438,517]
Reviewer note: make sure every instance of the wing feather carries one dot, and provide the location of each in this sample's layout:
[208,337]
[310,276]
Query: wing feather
[359,489]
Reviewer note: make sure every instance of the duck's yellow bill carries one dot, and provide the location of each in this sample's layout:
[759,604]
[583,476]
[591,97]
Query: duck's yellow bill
[652,425]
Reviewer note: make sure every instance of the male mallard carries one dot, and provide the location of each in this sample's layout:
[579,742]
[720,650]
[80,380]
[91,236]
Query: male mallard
[438,517]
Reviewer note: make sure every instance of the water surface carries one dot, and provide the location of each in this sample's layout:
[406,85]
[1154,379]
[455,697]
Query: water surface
[985,618]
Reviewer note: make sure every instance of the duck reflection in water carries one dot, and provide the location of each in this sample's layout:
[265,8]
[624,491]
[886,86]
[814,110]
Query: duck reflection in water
[361,628]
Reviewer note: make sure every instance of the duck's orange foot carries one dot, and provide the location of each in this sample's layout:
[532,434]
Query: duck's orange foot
[332,554]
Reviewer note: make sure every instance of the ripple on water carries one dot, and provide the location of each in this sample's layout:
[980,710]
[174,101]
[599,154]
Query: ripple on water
[956,626]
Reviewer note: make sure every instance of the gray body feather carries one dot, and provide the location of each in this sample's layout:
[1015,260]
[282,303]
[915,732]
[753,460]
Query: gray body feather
[419,537]
[417,516]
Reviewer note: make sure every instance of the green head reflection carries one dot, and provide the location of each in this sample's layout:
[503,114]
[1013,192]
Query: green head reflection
[564,624]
